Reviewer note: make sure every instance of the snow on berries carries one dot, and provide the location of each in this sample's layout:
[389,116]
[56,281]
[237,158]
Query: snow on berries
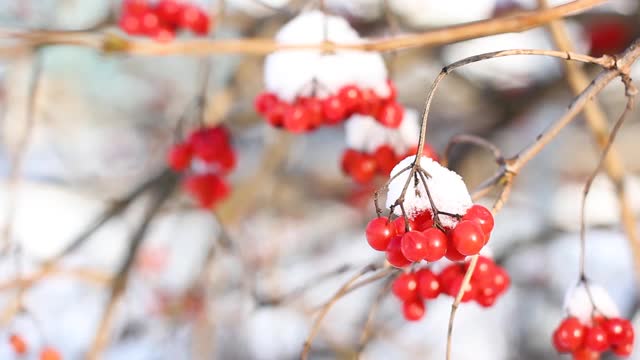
[161,20]
[306,89]
[415,288]
[593,325]
[374,149]
[206,156]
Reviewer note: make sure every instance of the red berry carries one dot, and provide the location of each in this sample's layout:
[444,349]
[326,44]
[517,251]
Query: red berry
[414,245]
[596,339]
[349,157]
[264,102]
[585,354]
[209,143]
[364,168]
[405,287]
[149,23]
[314,110]
[399,225]
[482,216]
[569,335]
[130,24]
[619,331]
[163,34]
[370,103]
[351,97]
[207,189]
[485,271]
[413,310]
[334,110]
[275,115]
[379,233]
[194,19]
[454,288]
[179,156]
[436,244]
[296,119]
[394,253]
[18,344]
[501,280]
[169,11]
[385,158]
[485,300]
[609,37]
[452,253]
[134,7]
[391,115]
[227,160]
[624,349]
[428,284]
[468,237]
[49,353]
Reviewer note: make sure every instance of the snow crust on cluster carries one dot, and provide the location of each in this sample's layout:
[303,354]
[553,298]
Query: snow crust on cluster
[448,191]
[365,133]
[578,304]
[290,73]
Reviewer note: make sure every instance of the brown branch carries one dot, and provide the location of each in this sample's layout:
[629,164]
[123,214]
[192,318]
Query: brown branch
[112,42]
[597,123]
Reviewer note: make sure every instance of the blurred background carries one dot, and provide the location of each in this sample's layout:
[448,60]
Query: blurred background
[214,286]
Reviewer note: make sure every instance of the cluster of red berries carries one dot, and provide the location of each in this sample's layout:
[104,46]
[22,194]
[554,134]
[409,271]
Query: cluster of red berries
[589,341]
[414,288]
[162,19]
[421,239]
[20,348]
[309,113]
[208,153]
[362,166]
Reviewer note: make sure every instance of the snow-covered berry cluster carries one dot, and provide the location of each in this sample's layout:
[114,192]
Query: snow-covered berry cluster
[374,149]
[307,113]
[208,157]
[307,88]
[593,325]
[20,348]
[415,288]
[424,239]
[161,20]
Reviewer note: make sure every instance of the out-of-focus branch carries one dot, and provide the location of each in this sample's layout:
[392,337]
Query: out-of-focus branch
[112,42]
[597,123]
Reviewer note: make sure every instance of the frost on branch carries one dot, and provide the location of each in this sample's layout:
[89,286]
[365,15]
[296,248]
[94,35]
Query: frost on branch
[448,191]
[578,303]
[290,73]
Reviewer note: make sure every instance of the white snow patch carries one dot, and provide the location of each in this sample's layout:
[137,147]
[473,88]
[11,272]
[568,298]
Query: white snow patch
[578,304]
[290,73]
[364,133]
[448,190]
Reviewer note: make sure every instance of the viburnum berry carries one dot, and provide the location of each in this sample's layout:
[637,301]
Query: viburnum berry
[399,225]
[334,110]
[297,119]
[351,97]
[314,110]
[596,339]
[379,233]
[422,220]
[179,156]
[619,331]
[130,24]
[569,335]
[18,344]
[405,287]
[428,284]
[436,244]
[170,10]
[454,286]
[623,349]
[395,256]
[585,354]
[413,310]
[385,158]
[208,189]
[391,114]
[135,7]
[195,19]
[414,245]
[467,237]
[370,103]
[264,102]
[482,216]
[452,253]
[49,353]
[364,168]
[275,115]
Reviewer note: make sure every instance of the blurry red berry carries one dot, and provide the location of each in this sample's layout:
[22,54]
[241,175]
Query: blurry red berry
[455,285]
[264,102]
[609,37]
[386,159]
[624,349]
[349,156]
[131,24]
[207,189]
[468,237]
[275,115]
[49,353]
[18,344]
[179,156]
[619,331]
[364,168]
[569,335]
[195,19]
[314,110]
[405,287]
[334,110]
[169,11]
[428,284]
[135,7]
[501,280]
[413,310]
[379,233]
[370,103]
[436,245]
[150,23]
[351,97]
[391,115]
[296,119]
[485,300]
[596,339]
[482,216]
[585,354]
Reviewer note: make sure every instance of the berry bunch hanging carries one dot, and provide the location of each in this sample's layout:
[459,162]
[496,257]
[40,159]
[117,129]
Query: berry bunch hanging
[306,89]
[207,157]
[414,288]
[161,20]
[375,149]
[593,325]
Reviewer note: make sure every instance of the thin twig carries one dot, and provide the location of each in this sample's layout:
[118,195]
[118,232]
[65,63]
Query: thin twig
[116,43]
[475,140]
